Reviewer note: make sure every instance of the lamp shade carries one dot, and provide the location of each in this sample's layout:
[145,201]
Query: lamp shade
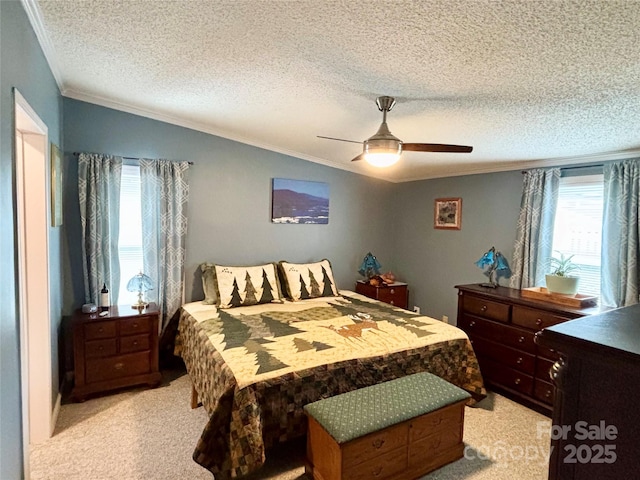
[140,283]
[370,266]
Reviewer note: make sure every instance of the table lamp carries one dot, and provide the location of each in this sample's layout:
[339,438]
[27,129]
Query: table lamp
[370,266]
[495,265]
[140,283]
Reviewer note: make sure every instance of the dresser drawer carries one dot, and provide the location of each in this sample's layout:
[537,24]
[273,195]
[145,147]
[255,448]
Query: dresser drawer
[543,391]
[543,367]
[508,356]
[100,369]
[486,308]
[134,343]
[547,353]
[131,326]
[382,466]
[534,319]
[100,348]
[497,373]
[511,336]
[394,295]
[97,330]
[374,445]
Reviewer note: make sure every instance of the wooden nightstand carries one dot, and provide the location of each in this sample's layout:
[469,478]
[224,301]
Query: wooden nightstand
[115,351]
[396,294]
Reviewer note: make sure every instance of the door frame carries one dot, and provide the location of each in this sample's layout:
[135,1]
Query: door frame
[33,220]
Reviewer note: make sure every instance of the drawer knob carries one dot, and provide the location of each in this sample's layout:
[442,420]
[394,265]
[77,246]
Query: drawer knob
[391,302]
[135,343]
[548,394]
[100,330]
[484,308]
[519,361]
[521,340]
[539,322]
[135,325]
[378,443]
[472,323]
[118,366]
[100,347]
[377,471]
[392,291]
[517,382]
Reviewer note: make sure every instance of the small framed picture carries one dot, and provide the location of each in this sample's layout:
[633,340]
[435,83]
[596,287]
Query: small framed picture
[448,213]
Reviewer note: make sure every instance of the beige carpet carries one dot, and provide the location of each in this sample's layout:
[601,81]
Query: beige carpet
[151,435]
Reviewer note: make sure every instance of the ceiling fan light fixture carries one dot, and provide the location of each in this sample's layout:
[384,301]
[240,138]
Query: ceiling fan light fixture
[382,152]
[382,159]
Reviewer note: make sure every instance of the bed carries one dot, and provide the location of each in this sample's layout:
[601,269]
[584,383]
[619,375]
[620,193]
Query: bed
[253,368]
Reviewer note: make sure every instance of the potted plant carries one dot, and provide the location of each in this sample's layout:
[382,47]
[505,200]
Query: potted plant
[558,279]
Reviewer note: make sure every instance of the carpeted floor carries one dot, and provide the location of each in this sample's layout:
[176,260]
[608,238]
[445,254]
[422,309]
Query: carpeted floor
[151,435]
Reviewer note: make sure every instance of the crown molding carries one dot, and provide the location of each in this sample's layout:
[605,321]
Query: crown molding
[528,164]
[201,127]
[35,18]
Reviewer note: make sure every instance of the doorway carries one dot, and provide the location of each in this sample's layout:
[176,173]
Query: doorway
[33,188]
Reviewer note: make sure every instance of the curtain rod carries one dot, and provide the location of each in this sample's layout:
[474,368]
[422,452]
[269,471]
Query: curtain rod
[128,158]
[595,165]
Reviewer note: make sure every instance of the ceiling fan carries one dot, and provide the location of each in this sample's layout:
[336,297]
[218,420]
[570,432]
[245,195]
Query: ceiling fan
[384,149]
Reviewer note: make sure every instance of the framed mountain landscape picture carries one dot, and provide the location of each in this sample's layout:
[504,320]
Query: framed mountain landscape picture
[299,201]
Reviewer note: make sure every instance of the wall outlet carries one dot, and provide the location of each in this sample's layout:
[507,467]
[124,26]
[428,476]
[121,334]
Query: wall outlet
[445,319]
[416,309]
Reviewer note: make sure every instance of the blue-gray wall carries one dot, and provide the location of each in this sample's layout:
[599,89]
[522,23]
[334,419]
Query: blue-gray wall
[229,210]
[22,65]
[434,261]
[230,198]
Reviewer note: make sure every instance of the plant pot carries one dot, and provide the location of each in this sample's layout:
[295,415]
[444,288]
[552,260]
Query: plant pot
[562,285]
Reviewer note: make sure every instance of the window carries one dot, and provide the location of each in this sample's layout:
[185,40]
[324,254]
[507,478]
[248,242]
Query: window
[578,227]
[130,239]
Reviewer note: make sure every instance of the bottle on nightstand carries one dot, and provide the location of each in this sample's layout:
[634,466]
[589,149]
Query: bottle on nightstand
[104,298]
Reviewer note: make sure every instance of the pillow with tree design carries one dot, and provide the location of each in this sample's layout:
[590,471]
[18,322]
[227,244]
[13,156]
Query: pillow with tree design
[308,280]
[243,286]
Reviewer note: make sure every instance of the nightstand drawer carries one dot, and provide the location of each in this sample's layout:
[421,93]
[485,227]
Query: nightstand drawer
[100,348]
[134,343]
[101,369]
[394,295]
[96,330]
[131,326]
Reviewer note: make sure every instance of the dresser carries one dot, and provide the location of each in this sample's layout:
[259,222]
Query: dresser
[396,294]
[113,351]
[501,325]
[597,384]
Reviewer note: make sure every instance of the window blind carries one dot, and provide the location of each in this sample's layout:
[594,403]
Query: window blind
[578,227]
[130,239]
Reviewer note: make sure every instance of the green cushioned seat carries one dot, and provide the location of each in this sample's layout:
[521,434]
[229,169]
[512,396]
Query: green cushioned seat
[360,412]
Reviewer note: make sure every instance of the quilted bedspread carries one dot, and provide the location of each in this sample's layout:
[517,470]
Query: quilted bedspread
[254,368]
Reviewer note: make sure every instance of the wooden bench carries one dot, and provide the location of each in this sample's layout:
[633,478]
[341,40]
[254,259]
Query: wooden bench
[401,429]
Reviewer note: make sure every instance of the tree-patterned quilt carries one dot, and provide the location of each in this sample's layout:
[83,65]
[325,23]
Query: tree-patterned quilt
[255,367]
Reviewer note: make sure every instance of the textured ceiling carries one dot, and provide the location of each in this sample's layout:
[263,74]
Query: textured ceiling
[524,82]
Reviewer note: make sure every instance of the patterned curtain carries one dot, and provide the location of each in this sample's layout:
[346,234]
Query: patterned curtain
[534,239]
[99,194]
[165,193]
[619,269]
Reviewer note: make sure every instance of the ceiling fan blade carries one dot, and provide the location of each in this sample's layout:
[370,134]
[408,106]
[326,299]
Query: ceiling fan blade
[339,139]
[359,157]
[435,147]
